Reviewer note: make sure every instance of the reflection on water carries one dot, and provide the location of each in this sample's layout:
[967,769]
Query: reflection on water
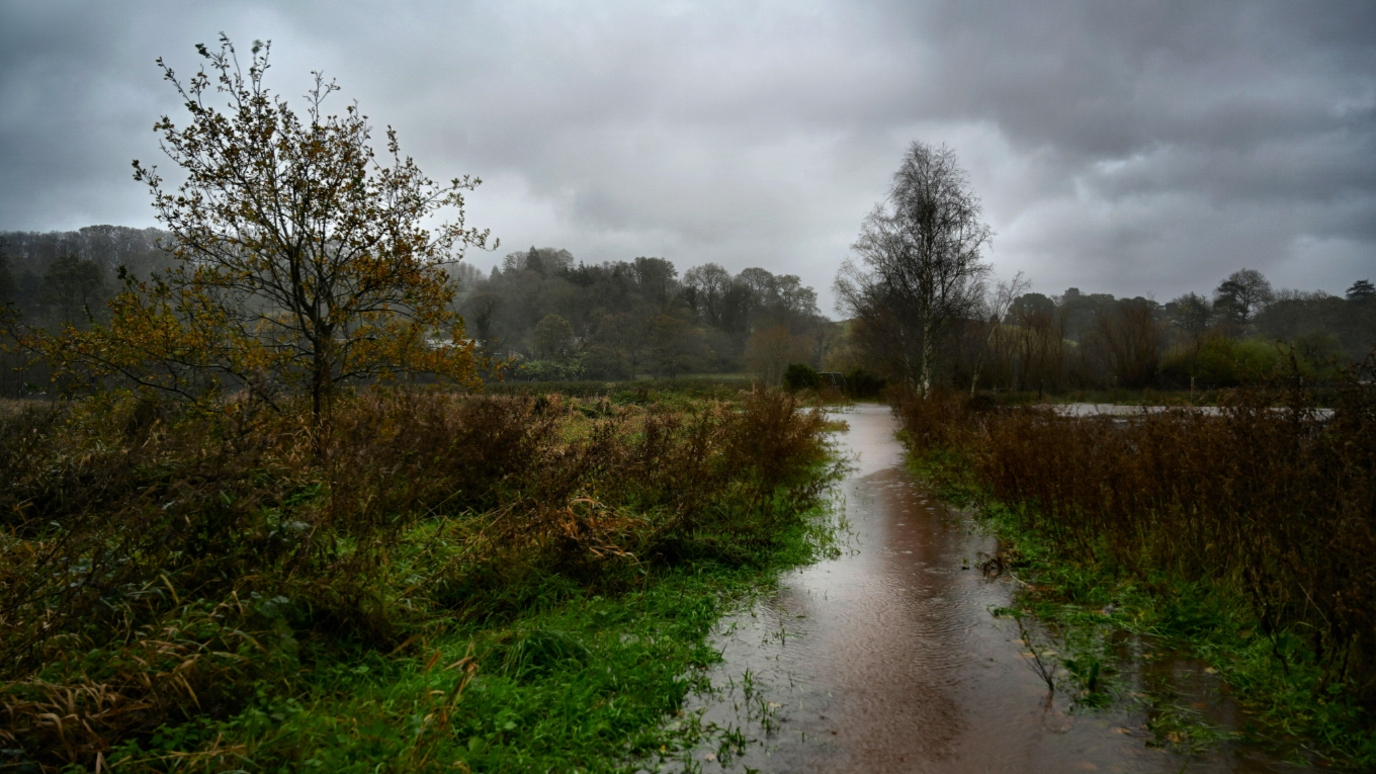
[888,659]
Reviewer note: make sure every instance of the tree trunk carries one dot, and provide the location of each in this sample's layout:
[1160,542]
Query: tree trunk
[322,386]
[925,378]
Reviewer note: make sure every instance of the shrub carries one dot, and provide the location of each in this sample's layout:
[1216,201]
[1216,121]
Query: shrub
[800,376]
[1219,362]
[153,564]
[551,370]
[863,384]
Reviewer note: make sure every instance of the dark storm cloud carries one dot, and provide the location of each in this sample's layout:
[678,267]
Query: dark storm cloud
[1125,147]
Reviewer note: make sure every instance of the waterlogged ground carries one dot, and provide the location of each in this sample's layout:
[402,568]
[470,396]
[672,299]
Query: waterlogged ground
[1116,410]
[890,659]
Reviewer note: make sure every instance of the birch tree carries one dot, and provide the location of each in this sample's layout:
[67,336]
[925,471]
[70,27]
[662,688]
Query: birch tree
[916,267]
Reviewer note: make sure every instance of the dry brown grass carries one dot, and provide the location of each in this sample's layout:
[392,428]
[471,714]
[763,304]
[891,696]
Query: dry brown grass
[1275,504]
[152,564]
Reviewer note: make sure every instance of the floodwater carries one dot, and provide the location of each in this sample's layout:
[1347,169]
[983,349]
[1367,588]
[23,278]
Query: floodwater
[1119,411]
[889,658]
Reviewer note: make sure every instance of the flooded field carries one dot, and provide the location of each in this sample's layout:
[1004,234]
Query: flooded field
[1116,410]
[890,659]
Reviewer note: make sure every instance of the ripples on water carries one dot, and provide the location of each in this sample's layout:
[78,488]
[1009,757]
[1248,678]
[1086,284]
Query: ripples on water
[888,659]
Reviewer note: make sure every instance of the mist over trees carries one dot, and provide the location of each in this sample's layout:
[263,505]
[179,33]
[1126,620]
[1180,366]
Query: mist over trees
[1240,333]
[558,317]
[51,276]
[567,319]
[562,317]
[65,278]
[642,317]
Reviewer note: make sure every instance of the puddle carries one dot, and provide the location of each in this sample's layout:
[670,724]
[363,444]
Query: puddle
[889,659]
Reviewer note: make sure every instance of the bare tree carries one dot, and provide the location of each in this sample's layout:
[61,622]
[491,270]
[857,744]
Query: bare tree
[770,352]
[1033,342]
[919,266]
[707,284]
[1131,337]
[995,307]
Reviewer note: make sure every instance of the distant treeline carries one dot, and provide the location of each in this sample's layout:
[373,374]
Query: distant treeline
[54,277]
[1237,336]
[616,320]
[58,278]
[564,319]
[556,318]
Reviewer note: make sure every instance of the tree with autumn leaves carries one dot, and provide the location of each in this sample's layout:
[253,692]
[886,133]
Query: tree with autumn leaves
[299,259]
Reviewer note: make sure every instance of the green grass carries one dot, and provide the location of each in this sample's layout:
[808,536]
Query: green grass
[582,685]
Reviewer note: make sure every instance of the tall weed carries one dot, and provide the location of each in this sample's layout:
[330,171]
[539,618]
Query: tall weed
[1270,500]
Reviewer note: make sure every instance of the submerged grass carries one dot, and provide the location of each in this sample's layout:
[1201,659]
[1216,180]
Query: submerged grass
[431,582]
[1245,537]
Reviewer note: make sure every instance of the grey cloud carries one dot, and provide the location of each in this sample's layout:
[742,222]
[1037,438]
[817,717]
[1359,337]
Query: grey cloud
[1124,147]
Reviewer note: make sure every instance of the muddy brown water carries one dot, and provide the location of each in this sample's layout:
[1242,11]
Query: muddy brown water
[889,658]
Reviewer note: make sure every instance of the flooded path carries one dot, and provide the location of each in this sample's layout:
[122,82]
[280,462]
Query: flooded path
[888,658]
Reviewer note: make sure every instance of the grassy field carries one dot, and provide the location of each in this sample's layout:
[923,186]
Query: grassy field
[433,582]
[683,390]
[1245,538]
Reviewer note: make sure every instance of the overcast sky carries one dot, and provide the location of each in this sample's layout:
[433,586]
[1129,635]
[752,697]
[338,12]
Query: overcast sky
[1144,148]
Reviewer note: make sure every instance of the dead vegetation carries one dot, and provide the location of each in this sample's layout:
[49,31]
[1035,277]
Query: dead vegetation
[152,565]
[1275,506]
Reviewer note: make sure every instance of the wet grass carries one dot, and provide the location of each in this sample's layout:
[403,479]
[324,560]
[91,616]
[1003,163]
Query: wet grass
[1244,539]
[505,583]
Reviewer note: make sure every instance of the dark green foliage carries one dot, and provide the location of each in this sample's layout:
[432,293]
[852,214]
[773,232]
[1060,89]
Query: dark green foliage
[9,286]
[1361,292]
[568,370]
[800,376]
[74,289]
[1218,361]
[630,318]
[1080,341]
[552,339]
[863,384]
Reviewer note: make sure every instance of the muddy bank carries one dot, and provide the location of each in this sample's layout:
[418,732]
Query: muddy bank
[889,658]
